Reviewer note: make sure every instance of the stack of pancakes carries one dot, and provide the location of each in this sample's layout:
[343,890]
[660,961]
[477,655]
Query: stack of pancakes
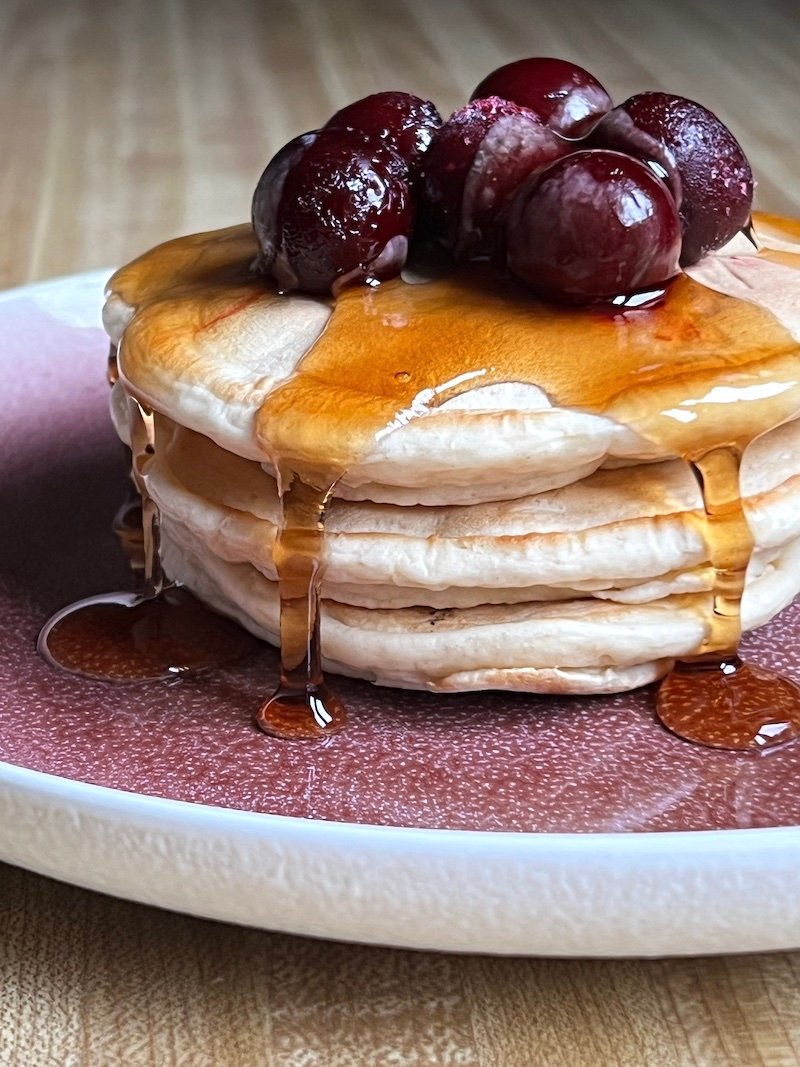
[498,542]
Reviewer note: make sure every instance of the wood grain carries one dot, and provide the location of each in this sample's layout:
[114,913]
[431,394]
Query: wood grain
[130,122]
[87,980]
[126,123]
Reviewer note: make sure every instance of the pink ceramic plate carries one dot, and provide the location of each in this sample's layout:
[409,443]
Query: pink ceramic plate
[489,822]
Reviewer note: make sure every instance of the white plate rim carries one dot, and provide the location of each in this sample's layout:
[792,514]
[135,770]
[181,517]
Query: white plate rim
[604,894]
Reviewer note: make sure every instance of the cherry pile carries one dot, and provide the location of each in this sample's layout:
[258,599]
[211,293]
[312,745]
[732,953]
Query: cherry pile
[581,201]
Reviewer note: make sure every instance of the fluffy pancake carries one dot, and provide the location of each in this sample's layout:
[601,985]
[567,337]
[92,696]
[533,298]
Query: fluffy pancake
[603,534]
[490,535]
[210,343]
[580,645]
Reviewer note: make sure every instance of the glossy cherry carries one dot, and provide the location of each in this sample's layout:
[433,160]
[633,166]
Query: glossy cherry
[475,162]
[405,121]
[333,208]
[619,132]
[716,182]
[595,226]
[269,194]
[564,96]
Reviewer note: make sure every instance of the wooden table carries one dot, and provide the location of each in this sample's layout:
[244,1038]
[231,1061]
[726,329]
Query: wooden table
[126,123]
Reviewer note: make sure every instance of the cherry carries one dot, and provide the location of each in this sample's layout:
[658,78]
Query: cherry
[594,226]
[406,121]
[716,183]
[333,208]
[565,97]
[619,132]
[475,162]
[268,194]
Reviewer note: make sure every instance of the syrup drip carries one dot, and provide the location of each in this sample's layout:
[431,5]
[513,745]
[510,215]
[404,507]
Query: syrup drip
[730,544]
[302,706]
[711,697]
[157,631]
[714,698]
[142,430]
[700,377]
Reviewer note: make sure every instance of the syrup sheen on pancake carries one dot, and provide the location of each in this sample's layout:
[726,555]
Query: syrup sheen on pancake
[699,376]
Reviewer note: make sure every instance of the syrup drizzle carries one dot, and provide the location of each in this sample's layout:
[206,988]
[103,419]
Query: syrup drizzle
[302,706]
[155,631]
[657,371]
[142,430]
[714,698]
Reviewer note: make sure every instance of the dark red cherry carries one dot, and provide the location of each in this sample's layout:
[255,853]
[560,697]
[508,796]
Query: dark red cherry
[333,208]
[268,194]
[595,226]
[475,162]
[619,132]
[514,148]
[716,183]
[565,97]
[406,121]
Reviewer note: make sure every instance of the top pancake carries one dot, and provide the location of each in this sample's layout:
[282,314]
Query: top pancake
[455,390]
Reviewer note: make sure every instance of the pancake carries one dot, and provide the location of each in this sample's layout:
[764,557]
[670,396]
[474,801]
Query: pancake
[210,343]
[508,510]
[486,444]
[578,645]
[610,531]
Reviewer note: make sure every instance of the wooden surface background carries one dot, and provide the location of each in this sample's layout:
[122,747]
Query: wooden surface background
[123,123]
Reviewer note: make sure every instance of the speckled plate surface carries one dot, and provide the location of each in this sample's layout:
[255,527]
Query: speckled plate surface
[490,822]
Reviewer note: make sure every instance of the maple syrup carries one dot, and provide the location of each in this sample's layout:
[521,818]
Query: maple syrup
[699,376]
[156,631]
[302,706]
[123,637]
